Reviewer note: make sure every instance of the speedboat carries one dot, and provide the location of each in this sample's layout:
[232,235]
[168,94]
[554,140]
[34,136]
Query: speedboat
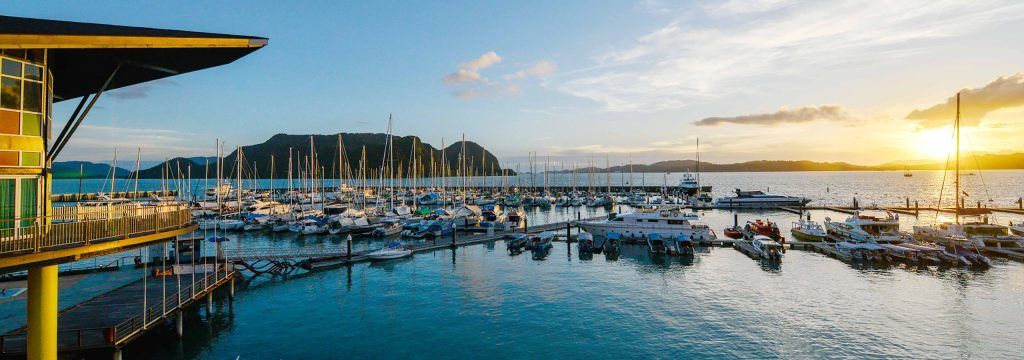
[516,243]
[391,250]
[735,232]
[611,243]
[668,223]
[540,241]
[767,248]
[863,251]
[807,230]
[757,199]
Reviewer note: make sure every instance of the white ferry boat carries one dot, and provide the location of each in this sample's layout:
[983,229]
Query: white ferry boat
[757,198]
[638,225]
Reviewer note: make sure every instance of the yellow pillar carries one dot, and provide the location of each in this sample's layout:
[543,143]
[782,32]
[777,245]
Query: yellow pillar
[42,313]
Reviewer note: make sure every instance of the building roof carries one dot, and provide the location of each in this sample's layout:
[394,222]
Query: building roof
[82,55]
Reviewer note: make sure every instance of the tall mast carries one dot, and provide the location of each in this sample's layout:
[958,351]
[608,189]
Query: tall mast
[698,164]
[956,180]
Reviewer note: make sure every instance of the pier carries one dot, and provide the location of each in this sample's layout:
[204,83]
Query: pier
[113,319]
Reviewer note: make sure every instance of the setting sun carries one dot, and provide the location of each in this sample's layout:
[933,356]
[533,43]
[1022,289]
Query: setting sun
[933,143]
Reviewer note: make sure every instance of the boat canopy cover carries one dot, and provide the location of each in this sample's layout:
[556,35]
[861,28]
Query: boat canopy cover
[614,236]
[654,236]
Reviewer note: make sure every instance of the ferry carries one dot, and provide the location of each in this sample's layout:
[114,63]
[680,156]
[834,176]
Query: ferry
[757,198]
[861,228]
[638,225]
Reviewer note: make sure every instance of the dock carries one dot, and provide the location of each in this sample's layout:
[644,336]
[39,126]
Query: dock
[114,319]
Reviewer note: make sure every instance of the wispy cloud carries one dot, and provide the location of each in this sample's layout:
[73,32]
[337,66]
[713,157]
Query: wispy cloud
[783,116]
[1002,93]
[139,91]
[467,82]
[97,142]
[687,60]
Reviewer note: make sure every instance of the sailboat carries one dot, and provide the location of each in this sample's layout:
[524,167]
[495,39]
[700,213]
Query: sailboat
[906,172]
[962,238]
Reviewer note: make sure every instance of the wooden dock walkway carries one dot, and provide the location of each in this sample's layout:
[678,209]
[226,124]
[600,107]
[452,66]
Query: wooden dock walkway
[113,319]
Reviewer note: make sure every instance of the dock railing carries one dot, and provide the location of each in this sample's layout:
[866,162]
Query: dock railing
[81,226]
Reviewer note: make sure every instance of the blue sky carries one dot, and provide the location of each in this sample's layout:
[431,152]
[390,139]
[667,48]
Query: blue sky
[769,79]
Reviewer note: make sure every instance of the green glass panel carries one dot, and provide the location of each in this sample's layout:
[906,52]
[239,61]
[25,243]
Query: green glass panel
[10,93]
[33,96]
[31,124]
[29,158]
[28,202]
[6,207]
[12,68]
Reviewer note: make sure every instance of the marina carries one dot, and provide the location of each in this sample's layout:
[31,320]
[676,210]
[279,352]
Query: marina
[535,227]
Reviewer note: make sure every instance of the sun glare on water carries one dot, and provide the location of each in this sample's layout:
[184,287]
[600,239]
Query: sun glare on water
[933,143]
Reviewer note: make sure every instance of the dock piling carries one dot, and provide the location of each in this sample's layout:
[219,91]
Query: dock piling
[348,252]
[178,326]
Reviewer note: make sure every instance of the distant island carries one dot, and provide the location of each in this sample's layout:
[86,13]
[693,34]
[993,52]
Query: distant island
[257,159]
[480,161]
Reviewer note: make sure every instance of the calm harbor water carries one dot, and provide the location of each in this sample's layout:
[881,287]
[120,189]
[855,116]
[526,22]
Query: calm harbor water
[1002,187]
[479,302]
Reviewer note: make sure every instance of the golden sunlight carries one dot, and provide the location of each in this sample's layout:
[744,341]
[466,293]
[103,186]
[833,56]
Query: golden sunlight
[934,143]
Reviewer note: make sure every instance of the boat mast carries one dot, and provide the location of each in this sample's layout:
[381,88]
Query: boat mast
[956,179]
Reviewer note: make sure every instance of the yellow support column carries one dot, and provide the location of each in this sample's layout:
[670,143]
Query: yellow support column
[42,313]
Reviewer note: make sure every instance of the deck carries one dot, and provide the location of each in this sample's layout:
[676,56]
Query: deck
[115,318]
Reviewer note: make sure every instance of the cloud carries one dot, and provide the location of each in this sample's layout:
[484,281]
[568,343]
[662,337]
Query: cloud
[783,116]
[1002,93]
[469,72]
[540,69]
[138,91]
[692,60]
[467,82]
[97,142]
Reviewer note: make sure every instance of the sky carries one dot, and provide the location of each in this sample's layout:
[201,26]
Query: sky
[865,82]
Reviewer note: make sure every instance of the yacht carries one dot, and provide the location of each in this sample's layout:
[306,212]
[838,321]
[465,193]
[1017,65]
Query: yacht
[861,228]
[757,198]
[976,229]
[668,223]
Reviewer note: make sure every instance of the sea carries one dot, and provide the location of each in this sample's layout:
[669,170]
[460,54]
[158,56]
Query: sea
[480,302]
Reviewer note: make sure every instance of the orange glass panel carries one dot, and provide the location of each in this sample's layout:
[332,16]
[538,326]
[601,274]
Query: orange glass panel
[8,158]
[10,122]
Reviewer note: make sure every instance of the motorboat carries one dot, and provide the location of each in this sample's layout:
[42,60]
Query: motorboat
[734,232]
[863,251]
[807,230]
[491,216]
[389,229]
[767,247]
[516,242]
[466,216]
[308,226]
[612,243]
[391,250]
[865,228]
[975,228]
[540,241]
[758,199]
[585,241]
[668,223]
[688,184]
[684,246]
[656,244]
[764,228]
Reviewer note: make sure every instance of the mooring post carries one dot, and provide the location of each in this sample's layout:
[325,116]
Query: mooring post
[178,326]
[917,209]
[231,288]
[568,227]
[455,232]
[348,251]
[735,219]
[908,202]
[117,354]
[526,225]
[209,303]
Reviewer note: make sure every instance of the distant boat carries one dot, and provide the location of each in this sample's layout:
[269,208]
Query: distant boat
[906,172]
[391,250]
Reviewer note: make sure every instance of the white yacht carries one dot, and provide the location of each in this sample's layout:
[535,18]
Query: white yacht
[757,198]
[861,228]
[689,184]
[669,223]
[975,228]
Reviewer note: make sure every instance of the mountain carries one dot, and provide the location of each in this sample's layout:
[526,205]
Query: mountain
[257,158]
[967,163]
[84,169]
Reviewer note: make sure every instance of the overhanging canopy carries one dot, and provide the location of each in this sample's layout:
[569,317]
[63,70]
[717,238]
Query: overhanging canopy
[82,55]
